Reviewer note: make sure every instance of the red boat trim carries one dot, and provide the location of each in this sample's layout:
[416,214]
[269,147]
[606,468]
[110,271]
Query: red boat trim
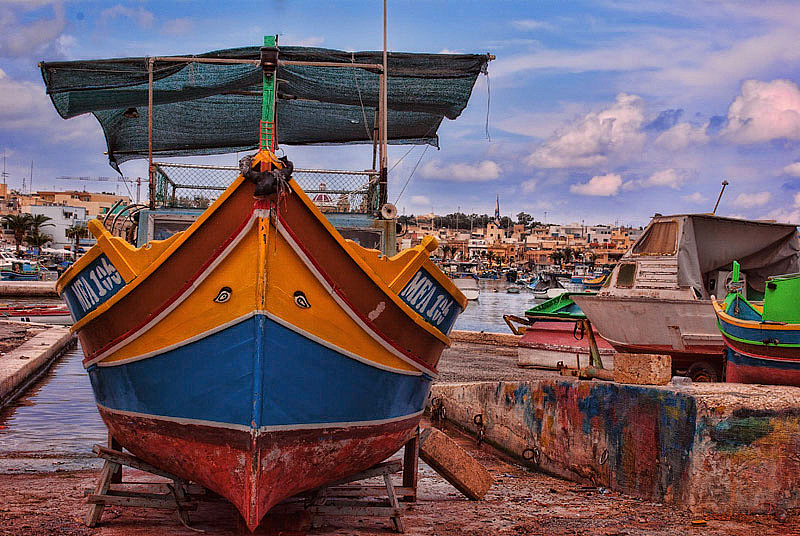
[328,282]
[747,350]
[276,428]
[113,345]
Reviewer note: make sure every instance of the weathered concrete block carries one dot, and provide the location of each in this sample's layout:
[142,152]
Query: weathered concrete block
[642,369]
[708,447]
[480,337]
[463,471]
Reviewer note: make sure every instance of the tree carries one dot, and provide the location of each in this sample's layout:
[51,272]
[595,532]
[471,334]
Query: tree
[569,254]
[523,218]
[557,256]
[38,240]
[445,251]
[20,224]
[75,233]
[38,221]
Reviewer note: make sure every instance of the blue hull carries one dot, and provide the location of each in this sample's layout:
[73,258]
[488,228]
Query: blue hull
[258,373]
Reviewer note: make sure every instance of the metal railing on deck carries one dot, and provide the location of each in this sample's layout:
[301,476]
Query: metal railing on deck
[197,186]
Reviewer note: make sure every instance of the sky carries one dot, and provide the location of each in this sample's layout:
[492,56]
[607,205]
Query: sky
[594,112]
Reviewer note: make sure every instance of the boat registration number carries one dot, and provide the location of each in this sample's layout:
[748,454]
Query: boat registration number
[428,298]
[94,285]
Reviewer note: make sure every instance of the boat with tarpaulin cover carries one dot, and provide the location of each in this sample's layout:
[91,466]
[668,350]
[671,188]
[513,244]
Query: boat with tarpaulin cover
[762,340]
[658,298]
[258,352]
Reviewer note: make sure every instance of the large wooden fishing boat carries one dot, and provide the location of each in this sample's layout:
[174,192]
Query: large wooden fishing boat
[762,340]
[258,352]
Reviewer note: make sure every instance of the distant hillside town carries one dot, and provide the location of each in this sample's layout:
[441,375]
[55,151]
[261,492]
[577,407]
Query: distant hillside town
[525,244]
[64,216]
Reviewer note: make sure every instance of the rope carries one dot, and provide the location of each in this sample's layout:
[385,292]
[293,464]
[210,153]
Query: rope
[363,112]
[488,103]
[411,175]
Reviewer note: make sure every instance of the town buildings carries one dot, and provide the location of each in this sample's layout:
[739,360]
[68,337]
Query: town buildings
[526,247]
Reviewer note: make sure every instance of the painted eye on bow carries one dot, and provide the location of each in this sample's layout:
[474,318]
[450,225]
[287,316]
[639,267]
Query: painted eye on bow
[223,295]
[301,300]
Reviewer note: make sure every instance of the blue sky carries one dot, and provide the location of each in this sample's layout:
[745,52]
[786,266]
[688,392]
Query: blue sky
[599,112]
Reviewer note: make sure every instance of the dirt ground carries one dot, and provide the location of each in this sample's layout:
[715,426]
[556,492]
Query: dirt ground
[521,501]
[13,334]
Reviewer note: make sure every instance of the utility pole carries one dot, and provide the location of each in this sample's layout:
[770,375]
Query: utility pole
[30,185]
[5,175]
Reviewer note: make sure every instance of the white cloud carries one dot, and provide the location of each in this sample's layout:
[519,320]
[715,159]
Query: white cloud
[755,199]
[696,197]
[783,215]
[420,200]
[530,24]
[792,169]
[591,140]
[681,136]
[177,27]
[765,111]
[600,185]
[140,15]
[24,107]
[667,177]
[529,186]
[18,39]
[486,170]
[671,178]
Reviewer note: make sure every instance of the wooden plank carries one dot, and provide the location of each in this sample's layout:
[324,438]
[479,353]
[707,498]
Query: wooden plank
[368,491]
[142,502]
[411,467]
[130,461]
[95,511]
[454,464]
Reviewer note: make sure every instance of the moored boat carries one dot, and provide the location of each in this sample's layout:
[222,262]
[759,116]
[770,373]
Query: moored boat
[37,313]
[658,299]
[468,286]
[552,336]
[762,340]
[258,352]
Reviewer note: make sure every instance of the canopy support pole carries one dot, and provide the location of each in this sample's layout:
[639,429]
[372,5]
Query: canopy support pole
[150,168]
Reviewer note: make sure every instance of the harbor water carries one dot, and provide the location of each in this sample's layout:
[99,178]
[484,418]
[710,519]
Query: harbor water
[54,425]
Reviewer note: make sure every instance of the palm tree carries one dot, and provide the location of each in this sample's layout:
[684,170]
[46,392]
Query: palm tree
[557,256]
[38,240]
[20,224]
[39,221]
[568,254]
[75,233]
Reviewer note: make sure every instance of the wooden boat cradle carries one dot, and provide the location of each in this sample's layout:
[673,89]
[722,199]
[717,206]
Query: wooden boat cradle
[339,498]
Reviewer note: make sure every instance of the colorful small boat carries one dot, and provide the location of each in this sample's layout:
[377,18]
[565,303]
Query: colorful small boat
[552,336]
[21,271]
[762,340]
[38,313]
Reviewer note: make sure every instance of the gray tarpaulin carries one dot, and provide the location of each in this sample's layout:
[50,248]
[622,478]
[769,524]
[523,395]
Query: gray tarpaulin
[710,243]
[202,108]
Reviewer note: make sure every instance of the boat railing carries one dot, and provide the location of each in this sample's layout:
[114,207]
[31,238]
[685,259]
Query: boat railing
[198,185]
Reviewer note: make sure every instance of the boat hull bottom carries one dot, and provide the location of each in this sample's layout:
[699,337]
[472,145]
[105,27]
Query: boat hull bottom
[255,470]
[752,369]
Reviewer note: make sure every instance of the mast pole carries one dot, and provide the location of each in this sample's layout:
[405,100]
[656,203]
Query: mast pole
[724,184]
[269,62]
[384,186]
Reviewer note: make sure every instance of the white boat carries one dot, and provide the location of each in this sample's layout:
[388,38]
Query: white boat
[468,286]
[6,258]
[659,297]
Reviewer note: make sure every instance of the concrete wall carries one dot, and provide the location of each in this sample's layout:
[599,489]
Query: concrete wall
[711,448]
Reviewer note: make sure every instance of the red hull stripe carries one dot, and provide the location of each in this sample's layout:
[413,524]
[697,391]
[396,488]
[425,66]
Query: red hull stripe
[295,242]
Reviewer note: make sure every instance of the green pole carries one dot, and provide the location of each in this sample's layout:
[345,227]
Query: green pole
[267,134]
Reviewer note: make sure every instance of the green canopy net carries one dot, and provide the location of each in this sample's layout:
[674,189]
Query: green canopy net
[204,108]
